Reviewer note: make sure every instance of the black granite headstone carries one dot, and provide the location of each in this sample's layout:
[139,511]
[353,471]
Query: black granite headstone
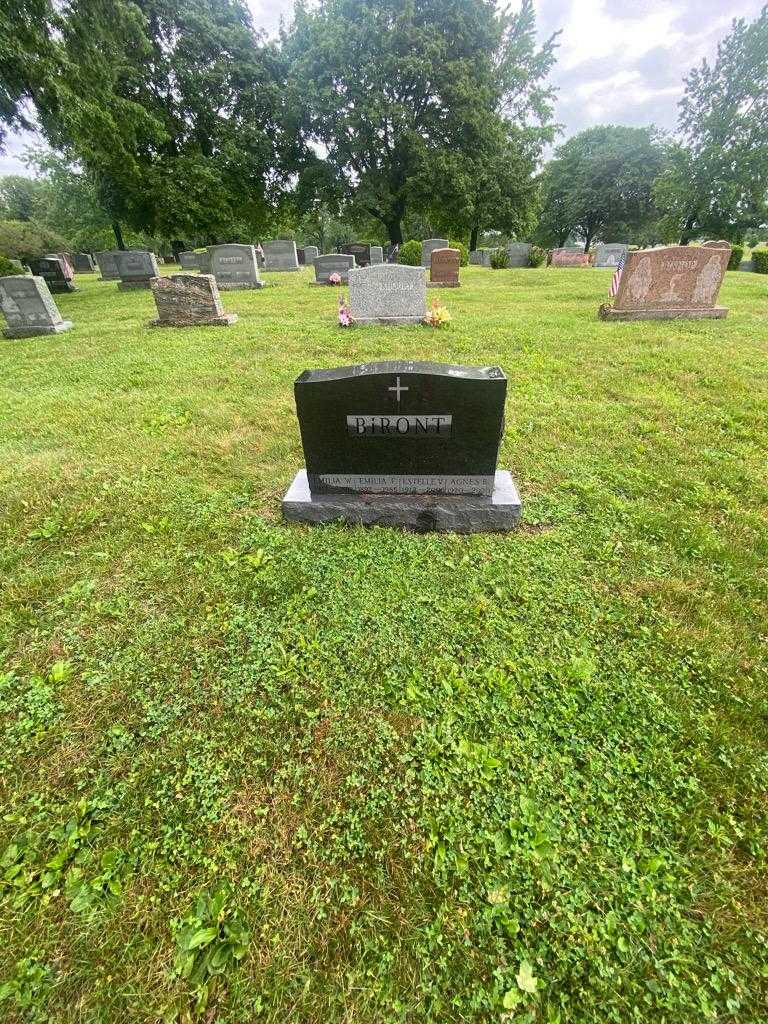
[403,443]
[360,250]
[301,257]
[54,274]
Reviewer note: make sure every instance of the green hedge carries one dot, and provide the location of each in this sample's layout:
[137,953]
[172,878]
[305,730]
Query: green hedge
[410,253]
[464,258]
[737,254]
[25,240]
[7,268]
[760,260]
[538,256]
[499,258]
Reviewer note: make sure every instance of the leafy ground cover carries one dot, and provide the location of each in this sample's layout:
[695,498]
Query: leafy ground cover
[259,772]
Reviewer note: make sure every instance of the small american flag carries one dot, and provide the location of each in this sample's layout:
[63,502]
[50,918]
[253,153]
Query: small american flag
[613,290]
[259,250]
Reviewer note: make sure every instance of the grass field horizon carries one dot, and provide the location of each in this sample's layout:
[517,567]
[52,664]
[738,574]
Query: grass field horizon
[254,771]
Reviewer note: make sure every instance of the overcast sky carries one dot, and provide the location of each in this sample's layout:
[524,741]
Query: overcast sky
[619,61]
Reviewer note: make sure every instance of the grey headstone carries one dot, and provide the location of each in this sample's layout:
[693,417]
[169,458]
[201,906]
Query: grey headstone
[388,294]
[280,254]
[188,260]
[333,263]
[204,262]
[28,307]
[519,254]
[234,266]
[480,258]
[311,252]
[189,300]
[136,269]
[83,264]
[748,265]
[360,250]
[428,245]
[57,273]
[107,264]
[608,254]
[377,255]
[406,444]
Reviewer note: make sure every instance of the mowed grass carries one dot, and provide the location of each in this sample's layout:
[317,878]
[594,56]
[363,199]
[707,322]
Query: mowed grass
[431,778]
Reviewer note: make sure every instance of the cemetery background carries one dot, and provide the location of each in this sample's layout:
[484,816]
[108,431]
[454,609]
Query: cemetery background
[441,778]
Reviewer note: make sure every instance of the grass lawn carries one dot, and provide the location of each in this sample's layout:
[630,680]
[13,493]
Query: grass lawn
[256,772]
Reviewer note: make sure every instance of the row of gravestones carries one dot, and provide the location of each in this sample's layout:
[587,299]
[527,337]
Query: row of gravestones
[607,255]
[281,255]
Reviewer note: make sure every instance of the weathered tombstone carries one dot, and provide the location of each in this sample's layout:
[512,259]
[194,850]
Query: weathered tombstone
[311,252]
[234,266]
[608,254]
[28,307]
[377,255]
[389,294]
[360,250]
[189,300]
[69,270]
[519,254]
[480,258]
[406,444]
[674,282]
[107,264]
[427,247]
[444,270]
[136,269]
[83,263]
[280,254]
[55,273]
[333,263]
[570,258]
[204,261]
[188,260]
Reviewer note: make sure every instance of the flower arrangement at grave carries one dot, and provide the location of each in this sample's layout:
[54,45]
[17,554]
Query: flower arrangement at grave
[438,316]
[345,314]
[334,279]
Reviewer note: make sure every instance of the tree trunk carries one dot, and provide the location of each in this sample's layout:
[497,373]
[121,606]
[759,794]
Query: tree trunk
[473,238]
[587,242]
[395,231]
[118,234]
[687,234]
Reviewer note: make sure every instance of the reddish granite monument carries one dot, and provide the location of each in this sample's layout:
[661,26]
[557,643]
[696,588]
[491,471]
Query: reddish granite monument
[675,282]
[570,258]
[444,268]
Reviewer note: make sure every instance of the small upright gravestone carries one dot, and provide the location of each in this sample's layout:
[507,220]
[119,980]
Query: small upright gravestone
[136,268]
[107,264]
[234,266]
[28,307]
[444,271]
[189,300]
[672,283]
[333,263]
[188,260]
[311,252]
[519,254]
[280,254]
[570,258]
[83,263]
[56,273]
[360,250]
[608,254]
[406,444]
[389,294]
[377,255]
[204,261]
[428,245]
[480,258]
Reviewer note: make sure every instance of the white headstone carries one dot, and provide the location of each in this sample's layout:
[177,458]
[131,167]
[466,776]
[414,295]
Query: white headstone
[390,293]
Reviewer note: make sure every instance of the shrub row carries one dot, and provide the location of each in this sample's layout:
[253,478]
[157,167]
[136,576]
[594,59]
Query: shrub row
[760,260]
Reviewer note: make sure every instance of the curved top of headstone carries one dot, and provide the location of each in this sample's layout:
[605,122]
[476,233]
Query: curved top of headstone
[721,244]
[390,366]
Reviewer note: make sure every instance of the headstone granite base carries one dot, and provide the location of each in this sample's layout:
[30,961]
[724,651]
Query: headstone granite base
[33,332]
[607,312]
[444,513]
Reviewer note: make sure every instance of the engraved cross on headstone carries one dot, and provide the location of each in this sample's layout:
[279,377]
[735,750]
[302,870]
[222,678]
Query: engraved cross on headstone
[398,389]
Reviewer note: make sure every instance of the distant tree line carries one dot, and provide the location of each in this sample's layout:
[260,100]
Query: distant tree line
[167,119]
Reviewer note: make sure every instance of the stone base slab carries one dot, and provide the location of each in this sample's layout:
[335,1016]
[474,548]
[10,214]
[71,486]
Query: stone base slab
[610,313]
[451,513]
[237,287]
[34,332]
[279,270]
[132,286]
[442,284]
[213,321]
[108,279]
[61,289]
[389,321]
[324,284]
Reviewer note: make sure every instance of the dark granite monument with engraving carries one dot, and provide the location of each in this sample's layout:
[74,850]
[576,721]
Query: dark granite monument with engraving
[56,274]
[83,263]
[360,250]
[409,444]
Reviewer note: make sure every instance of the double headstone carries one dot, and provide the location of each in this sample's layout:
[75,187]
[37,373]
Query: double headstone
[360,250]
[570,258]
[519,254]
[333,263]
[136,269]
[406,444]
[480,258]
[671,283]
[28,307]
[56,272]
[107,263]
[444,271]
[188,260]
[280,255]
[428,246]
[608,254]
[234,266]
[377,255]
[189,300]
[83,263]
[388,294]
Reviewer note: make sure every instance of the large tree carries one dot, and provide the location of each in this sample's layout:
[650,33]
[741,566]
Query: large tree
[716,183]
[600,183]
[407,98]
